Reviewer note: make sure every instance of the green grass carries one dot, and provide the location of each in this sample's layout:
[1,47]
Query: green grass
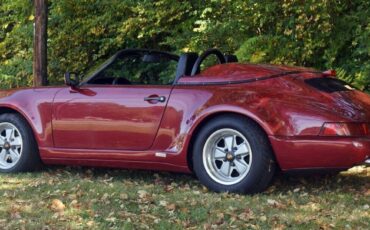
[121,199]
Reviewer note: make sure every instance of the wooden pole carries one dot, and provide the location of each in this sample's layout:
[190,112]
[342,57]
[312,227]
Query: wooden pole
[40,43]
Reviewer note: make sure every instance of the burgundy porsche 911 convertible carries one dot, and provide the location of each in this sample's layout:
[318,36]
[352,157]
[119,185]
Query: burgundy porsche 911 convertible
[231,124]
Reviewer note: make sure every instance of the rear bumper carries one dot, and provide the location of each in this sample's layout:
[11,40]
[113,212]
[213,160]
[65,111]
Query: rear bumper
[320,152]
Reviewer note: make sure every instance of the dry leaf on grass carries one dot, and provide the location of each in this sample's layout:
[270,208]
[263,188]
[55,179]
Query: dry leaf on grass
[123,196]
[263,218]
[74,203]
[15,215]
[143,194]
[247,214]
[171,207]
[163,203]
[57,205]
[275,203]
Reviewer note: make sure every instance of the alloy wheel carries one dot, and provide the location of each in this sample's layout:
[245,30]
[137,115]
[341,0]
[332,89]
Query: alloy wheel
[11,145]
[227,156]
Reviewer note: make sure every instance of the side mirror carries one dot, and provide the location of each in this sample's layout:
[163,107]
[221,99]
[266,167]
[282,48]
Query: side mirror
[71,79]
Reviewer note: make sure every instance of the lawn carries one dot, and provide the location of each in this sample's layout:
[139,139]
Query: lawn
[81,198]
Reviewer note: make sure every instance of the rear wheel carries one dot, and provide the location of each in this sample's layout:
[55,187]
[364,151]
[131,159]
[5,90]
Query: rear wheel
[18,148]
[233,154]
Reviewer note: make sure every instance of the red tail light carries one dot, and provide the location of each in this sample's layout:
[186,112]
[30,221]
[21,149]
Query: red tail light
[346,129]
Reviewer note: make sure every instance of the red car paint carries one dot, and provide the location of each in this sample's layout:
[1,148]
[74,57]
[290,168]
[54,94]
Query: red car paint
[112,125]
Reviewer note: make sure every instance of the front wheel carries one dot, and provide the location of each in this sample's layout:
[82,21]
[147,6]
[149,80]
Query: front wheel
[233,154]
[18,148]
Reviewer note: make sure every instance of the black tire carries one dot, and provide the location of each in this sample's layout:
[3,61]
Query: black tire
[262,168]
[29,159]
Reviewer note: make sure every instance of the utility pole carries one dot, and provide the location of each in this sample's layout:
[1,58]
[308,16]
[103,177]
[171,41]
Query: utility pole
[40,43]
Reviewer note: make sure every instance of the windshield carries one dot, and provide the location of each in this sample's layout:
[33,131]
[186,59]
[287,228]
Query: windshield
[136,67]
[97,68]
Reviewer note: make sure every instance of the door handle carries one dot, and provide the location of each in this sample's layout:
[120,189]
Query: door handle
[155,98]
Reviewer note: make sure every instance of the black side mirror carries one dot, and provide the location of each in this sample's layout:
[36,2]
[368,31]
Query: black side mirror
[71,79]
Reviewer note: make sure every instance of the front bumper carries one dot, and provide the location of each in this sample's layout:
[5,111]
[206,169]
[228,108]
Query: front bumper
[320,152]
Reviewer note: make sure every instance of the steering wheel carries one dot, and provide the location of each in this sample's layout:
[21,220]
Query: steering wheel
[201,58]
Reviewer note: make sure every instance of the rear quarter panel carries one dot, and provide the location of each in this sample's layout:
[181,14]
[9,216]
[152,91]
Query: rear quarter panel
[281,106]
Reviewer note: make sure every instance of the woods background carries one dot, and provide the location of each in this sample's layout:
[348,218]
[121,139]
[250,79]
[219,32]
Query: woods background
[322,34]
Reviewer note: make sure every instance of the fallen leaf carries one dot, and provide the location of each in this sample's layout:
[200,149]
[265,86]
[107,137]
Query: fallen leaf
[111,219]
[168,188]
[272,202]
[220,218]
[171,207]
[72,196]
[143,194]
[207,226]
[279,227]
[105,196]
[275,203]
[247,214]
[74,203]
[15,215]
[123,196]
[57,205]
[90,223]
[163,203]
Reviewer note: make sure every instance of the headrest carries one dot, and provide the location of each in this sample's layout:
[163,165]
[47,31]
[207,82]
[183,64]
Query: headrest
[231,58]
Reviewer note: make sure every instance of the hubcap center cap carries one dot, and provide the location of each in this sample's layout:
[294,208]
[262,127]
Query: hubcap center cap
[229,156]
[7,146]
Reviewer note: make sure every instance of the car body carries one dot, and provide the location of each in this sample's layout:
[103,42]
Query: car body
[154,126]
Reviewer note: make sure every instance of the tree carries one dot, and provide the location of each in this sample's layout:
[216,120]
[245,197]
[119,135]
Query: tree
[40,43]
[83,33]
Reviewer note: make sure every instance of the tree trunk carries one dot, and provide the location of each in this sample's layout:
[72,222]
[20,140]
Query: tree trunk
[40,43]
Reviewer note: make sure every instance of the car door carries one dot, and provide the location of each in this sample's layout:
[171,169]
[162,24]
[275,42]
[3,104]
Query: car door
[120,108]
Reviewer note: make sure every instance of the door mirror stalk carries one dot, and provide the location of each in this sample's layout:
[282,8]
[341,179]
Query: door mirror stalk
[71,79]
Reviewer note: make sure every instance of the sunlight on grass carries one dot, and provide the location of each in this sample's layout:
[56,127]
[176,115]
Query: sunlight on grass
[78,198]
[13,182]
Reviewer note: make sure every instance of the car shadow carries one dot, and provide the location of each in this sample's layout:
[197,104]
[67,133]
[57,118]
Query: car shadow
[354,179]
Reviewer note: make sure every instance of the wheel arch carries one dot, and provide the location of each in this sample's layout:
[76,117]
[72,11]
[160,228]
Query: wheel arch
[10,109]
[213,116]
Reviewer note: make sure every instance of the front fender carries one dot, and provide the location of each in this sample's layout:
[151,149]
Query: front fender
[35,105]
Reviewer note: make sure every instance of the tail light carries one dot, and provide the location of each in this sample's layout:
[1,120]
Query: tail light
[346,129]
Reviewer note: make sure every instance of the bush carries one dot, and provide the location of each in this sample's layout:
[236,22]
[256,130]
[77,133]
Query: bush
[82,33]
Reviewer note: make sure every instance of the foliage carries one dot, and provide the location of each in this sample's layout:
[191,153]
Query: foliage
[82,33]
[64,198]
[15,43]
